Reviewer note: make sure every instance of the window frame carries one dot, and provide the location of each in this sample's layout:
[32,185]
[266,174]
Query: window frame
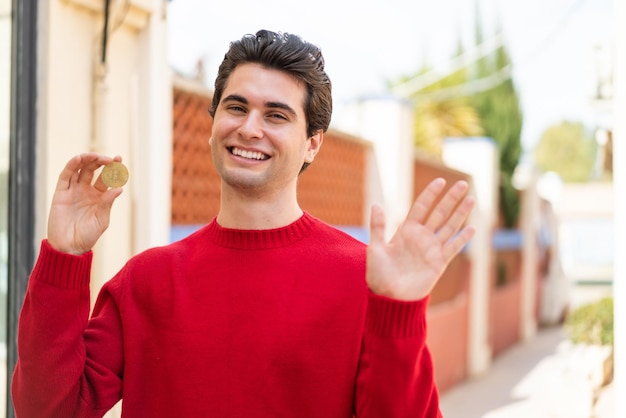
[22,169]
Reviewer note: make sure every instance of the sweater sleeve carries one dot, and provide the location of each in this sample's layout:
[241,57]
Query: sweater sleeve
[68,365]
[396,377]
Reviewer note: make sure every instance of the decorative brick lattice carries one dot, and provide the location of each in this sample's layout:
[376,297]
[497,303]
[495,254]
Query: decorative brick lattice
[333,187]
[195,183]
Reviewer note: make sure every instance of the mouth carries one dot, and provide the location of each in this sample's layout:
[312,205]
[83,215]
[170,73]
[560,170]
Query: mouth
[249,155]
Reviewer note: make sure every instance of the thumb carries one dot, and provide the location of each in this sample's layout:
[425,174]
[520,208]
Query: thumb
[109,197]
[377,224]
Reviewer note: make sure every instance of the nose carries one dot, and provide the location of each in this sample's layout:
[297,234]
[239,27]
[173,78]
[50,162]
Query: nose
[251,126]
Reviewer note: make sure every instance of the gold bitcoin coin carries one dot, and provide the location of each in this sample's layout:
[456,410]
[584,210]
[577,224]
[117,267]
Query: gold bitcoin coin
[115,174]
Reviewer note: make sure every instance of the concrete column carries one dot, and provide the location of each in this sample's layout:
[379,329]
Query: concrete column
[479,158]
[530,217]
[151,135]
[388,123]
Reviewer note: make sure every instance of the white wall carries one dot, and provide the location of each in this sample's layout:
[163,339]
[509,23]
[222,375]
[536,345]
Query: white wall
[5,82]
[619,183]
[5,100]
[131,117]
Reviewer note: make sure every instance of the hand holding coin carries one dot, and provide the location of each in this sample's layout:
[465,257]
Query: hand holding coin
[114,174]
[80,211]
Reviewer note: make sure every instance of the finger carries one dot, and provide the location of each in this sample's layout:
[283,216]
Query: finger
[446,205]
[72,170]
[99,184]
[108,198]
[68,173]
[104,208]
[377,224]
[456,220]
[455,245]
[90,163]
[424,202]
[110,195]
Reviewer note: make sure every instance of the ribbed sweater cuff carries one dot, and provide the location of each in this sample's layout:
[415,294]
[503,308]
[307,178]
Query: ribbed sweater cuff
[394,318]
[61,269]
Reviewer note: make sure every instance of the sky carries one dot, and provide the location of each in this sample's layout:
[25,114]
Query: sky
[365,43]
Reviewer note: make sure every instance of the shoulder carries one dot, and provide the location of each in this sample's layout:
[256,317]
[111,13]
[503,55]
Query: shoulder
[160,260]
[335,239]
[149,277]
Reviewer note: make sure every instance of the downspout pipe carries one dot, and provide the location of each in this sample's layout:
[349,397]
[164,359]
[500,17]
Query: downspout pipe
[98,131]
[105,30]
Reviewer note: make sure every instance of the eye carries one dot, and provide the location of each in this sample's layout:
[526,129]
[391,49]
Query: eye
[277,116]
[236,109]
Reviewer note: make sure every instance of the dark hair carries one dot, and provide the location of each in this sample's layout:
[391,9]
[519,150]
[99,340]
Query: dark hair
[288,53]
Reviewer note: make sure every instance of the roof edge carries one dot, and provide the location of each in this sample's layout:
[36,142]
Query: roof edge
[191,86]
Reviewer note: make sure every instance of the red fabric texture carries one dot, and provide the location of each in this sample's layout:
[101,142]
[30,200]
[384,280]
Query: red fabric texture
[224,323]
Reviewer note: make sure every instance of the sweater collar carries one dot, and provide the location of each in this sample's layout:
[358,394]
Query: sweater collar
[260,239]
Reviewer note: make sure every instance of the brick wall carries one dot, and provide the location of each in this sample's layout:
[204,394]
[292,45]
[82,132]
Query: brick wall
[195,183]
[425,170]
[333,188]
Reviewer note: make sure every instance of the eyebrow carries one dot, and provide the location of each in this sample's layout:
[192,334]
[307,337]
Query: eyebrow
[271,105]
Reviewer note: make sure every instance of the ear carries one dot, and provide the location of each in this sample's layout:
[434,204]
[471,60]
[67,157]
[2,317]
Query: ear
[314,143]
[210,139]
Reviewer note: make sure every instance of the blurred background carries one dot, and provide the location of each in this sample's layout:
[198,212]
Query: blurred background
[521,99]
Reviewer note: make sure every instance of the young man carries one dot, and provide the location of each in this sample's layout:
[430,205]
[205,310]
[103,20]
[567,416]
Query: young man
[264,312]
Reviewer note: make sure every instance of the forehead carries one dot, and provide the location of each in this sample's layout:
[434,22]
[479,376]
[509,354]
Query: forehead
[255,82]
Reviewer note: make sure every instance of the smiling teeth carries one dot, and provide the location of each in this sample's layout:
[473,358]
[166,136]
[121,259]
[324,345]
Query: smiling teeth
[252,155]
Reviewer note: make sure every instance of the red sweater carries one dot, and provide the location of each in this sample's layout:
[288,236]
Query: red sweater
[224,323]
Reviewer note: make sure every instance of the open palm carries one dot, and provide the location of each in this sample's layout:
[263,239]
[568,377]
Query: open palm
[410,264]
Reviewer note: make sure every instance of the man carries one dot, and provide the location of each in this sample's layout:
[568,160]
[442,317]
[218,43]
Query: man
[264,312]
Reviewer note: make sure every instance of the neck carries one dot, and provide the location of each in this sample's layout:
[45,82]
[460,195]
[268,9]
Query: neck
[243,210]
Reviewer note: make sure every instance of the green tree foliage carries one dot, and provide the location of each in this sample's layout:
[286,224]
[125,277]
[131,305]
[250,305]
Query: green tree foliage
[568,150]
[501,118]
[592,323]
[436,119]
[468,102]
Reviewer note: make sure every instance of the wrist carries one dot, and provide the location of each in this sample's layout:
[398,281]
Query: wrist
[59,247]
[409,293]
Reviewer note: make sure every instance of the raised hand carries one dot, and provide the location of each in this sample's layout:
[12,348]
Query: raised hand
[410,264]
[81,208]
